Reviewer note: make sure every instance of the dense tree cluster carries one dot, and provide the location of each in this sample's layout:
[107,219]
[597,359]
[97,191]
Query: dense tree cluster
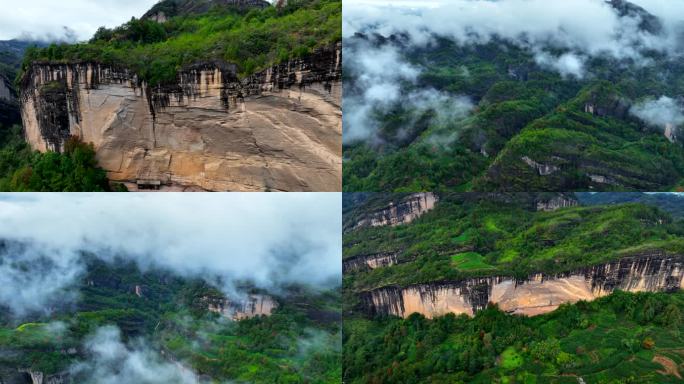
[73,170]
[291,347]
[466,235]
[520,110]
[252,40]
[610,340]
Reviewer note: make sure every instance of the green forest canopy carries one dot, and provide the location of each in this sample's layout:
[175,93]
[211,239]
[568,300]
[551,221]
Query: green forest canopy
[464,237]
[253,40]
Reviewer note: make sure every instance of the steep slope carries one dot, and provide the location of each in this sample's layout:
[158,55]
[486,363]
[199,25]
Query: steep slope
[527,252]
[219,114]
[621,338]
[171,315]
[20,168]
[513,287]
[494,113]
[11,52]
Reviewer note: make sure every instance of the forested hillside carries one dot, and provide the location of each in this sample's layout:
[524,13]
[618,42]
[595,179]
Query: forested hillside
[503,234]
[670,202]
[512,288]
[623,338]
[170,318]
[251,38]
[538,108]
[24,170]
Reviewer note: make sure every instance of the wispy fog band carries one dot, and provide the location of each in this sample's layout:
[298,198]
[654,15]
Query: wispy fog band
[269,239]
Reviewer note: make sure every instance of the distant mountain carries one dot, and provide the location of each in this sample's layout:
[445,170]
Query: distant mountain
[670,202]
[12,54]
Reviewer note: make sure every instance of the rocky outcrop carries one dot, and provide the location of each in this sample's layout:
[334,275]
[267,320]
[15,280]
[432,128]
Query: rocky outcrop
[248,307]
[403,211]
[671,132]
[556,202]
[6,92]
[368,262]
[542,169]
[539,293]
[279,129]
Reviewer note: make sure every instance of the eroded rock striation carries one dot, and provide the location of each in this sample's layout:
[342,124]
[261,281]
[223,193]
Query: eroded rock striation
[399,212]
[279,129]
[539,293]
[556,202]
[248,307]
[368,262]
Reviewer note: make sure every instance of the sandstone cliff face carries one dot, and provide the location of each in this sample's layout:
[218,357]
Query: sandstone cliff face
[251,306]
[557,202]
[536,295]
[400,212]
[279,129]
[368,262]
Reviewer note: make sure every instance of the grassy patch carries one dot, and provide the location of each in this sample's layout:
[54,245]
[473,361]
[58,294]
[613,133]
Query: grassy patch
[510,359]
[469,261]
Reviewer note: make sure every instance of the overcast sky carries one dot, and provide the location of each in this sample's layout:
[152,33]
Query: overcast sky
[47,18]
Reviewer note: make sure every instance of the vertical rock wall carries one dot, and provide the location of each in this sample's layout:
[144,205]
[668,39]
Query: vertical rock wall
[280,129]
[400,212]
[539,293]
[368,262]
[248,307]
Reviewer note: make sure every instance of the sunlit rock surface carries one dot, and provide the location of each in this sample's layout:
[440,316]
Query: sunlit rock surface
[245,308]
[279,130]
[538,294]
[400,212]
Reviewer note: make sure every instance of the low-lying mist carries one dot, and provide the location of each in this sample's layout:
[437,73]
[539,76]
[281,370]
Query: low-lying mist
[266,239]
[560,36]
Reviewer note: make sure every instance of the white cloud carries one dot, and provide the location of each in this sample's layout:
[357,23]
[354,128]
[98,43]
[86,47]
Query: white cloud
[380,72]
[574,30]
[587,26]
[567,64]
[660,112]
[268,238]
[46,19]
[113,362]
